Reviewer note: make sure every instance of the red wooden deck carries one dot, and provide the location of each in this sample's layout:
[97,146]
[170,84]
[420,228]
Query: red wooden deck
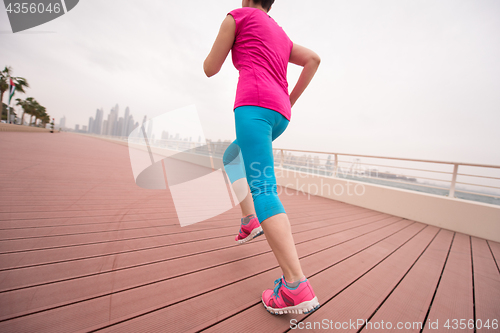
[82,248]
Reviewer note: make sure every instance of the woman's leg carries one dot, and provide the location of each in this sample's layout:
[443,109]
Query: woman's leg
[279,236]
[234,167]
[246,205]
[256,128]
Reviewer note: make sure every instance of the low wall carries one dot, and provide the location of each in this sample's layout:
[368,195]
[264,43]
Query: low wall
[468,217]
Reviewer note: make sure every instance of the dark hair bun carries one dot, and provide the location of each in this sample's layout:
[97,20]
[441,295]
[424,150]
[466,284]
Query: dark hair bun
[266,4]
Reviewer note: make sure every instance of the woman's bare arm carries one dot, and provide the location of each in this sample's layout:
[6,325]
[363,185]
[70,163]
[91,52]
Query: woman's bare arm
[310,61]
[222,45]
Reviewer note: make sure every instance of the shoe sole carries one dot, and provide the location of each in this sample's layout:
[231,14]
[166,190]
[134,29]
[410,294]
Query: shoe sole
[302,308]
[255,233]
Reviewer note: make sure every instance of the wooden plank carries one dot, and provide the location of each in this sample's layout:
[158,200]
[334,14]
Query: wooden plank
[14,216]
[486,287]
[83,229]
[495,249]
[94,220]
[453,299]
[83,204]
[408,303]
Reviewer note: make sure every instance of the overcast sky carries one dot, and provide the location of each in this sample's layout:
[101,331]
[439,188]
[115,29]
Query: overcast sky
[418,79]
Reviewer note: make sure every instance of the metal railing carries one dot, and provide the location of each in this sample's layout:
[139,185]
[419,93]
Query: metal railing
[334,165]
[331,168]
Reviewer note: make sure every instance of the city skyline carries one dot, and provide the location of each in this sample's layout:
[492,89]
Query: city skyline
[112,125]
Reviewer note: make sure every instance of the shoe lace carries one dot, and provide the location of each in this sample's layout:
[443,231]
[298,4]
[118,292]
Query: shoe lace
[277,285]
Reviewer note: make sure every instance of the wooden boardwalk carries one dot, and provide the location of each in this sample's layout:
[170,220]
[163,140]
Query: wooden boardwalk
[82,248]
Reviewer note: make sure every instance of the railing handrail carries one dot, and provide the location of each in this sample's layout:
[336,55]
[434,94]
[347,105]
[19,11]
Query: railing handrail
[339,154]
[393,158]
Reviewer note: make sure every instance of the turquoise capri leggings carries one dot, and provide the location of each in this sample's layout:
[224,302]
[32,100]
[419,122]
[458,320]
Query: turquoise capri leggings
[256,129]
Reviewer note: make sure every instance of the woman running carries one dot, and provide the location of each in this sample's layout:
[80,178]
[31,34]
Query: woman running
[261,51]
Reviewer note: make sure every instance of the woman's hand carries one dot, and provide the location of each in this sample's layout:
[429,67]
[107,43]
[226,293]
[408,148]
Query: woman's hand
[310,61]
[222,45]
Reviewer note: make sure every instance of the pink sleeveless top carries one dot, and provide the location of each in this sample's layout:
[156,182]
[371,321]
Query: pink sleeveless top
[260,53]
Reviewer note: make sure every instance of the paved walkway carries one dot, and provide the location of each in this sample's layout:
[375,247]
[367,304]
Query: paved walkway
[82,248]
[22,128]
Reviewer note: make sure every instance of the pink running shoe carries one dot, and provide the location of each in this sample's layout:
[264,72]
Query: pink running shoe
[285,299]
[250,228]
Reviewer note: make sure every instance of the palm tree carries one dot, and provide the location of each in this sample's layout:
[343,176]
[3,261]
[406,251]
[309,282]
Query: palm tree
[34,109]
[27,106]
[45,119]
[40,112]
[19,82]
[35,112]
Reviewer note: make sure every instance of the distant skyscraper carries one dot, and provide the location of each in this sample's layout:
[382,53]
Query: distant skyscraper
[91,125]
[125,131]
[62,123]
[115,129]
[77,127]
[99,115]
[119,127]
[130,125]
[111,123]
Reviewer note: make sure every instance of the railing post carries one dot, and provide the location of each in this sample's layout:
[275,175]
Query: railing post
[453,181]
[282,158]
[335,165]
